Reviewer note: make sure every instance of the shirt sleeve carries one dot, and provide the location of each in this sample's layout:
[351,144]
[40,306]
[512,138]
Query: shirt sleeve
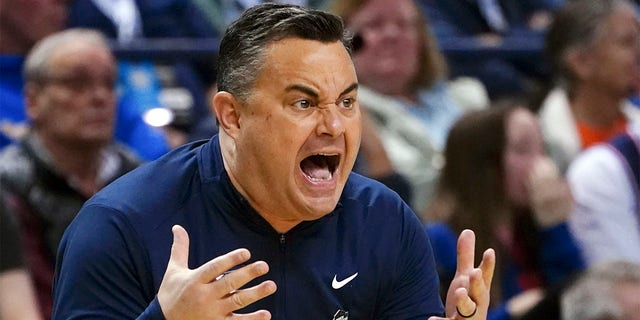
[560,255]
[605,221]
[101,270]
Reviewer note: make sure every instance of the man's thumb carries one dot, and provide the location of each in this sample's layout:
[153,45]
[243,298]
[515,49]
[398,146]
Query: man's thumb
[180,248]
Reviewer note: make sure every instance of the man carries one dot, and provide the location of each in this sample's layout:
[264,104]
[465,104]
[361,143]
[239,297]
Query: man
[272,195]
[596,64]
[22,25]
[69,153]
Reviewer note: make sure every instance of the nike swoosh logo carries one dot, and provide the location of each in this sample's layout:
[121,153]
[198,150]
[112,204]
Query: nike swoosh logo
[339,284]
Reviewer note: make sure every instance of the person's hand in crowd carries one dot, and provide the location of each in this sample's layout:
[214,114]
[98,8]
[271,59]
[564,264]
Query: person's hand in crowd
[210,291]
[523,302]
[468,295]
[549,193]
[372,149]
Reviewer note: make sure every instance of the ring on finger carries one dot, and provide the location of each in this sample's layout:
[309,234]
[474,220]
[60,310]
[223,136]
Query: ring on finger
[467,316]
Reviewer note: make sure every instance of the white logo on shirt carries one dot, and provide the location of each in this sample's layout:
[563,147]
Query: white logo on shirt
[339,284]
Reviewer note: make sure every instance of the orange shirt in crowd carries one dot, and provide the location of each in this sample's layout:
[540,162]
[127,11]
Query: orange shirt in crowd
[590,135]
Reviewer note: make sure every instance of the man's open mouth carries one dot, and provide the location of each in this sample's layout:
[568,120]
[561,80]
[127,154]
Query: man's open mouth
[320,167]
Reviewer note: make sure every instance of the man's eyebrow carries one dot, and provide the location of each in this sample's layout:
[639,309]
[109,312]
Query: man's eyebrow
[304,89]
[314,94]
[350,88]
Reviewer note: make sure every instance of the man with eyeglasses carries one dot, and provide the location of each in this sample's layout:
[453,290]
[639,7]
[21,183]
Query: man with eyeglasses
[68,154]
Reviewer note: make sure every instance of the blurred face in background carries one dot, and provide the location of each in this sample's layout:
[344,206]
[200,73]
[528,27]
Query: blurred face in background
[524,147]
[24,22]
[615,53]
[627,296]
[389,59]
[75,101]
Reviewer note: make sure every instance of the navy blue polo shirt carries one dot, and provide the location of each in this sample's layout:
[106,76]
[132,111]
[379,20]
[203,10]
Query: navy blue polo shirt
[370,258]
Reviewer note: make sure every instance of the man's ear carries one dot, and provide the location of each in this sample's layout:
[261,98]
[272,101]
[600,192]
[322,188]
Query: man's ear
[227,110]
[579,61]
[33,108]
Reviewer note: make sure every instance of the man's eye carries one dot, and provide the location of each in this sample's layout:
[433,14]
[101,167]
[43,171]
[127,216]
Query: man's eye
[347,103]
[303,104]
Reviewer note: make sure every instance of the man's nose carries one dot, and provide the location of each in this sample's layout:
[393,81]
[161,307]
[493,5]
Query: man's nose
[331,122]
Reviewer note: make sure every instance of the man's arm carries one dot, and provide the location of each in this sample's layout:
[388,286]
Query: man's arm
[102,270]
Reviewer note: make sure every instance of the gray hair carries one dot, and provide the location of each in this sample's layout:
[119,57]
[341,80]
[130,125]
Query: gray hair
[36,66]
[592,296]
[576,25]
[242,49]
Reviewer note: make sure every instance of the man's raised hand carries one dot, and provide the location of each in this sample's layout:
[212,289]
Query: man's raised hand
[209,292]
[468,295]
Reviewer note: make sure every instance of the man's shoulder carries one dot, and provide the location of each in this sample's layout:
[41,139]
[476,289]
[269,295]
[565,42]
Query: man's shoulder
[366,192]
[359,186]
[154,184]
[594,165]
[16,166]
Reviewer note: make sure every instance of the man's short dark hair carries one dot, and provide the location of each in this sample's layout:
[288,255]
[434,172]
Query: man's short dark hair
[242,48]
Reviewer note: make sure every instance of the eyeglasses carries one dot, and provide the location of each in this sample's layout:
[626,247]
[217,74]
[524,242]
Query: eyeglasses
[80,82]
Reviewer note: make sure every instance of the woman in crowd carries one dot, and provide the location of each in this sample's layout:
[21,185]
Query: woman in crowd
[498,181]
[593,48]
[404,88]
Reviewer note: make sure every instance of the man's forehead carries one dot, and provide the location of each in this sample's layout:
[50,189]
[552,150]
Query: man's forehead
[308,62]
[80,55]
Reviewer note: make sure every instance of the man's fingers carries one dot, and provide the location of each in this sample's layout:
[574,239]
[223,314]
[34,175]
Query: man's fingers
[242,298]
[258,315]
[477,286]
[466,249]
[488,265]
[232,281]
[216,267]
[464,306]
[180,247]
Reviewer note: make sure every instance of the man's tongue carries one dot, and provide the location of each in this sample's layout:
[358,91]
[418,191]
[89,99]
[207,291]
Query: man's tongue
[316,168]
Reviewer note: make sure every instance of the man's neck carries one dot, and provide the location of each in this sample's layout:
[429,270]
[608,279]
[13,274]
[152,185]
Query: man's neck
[595,108]
[229,155]
[78,164]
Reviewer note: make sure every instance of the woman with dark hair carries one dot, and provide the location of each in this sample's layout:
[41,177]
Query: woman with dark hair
[498,181]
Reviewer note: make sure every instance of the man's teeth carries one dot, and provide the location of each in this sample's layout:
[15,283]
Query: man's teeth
[320,179]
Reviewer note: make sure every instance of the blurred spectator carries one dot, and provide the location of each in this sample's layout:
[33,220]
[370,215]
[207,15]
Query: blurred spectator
[17,296]
[594,49]
[605,183]
[128,20]
[373,160]
[498,181]
[221,13]
[23,23]
[607,291]
[403,86]
[69,153]
[493,24]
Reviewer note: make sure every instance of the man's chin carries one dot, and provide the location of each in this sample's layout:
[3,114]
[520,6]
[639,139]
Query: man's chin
[319,207]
